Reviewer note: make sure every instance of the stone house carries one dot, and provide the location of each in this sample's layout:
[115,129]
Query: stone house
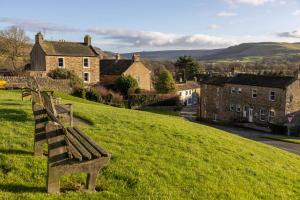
[212,99]
[253,98]
[189,93]
[80,57]
[112,69]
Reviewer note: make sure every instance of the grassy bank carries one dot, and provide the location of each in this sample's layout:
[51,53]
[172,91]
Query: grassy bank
[154,156]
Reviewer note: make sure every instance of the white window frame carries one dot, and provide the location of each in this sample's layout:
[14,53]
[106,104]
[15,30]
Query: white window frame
[238,108]
[272,96]
[260,115]
[232,90]
[254,93]
[232,107]
[63,62]
[88,62]
[239,91]
[271,116]
[89,77]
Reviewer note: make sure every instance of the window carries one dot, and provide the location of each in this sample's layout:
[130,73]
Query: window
[86,76]
[272,96]
[215,117]
[186,93]
[205,87]
[254,93]
[190,91]
[218,89]
[262,115]
[232,90]
[271,115]
[61,62]
[238,108]
[180,94]
[86,62]
[239,90]
[232,107]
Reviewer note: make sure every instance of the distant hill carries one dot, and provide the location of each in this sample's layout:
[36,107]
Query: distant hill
[264,49]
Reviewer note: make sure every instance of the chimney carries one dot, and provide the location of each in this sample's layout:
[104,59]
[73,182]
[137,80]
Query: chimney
[118,56]
[39,38]
[297,73]
[87,40]
[136,57]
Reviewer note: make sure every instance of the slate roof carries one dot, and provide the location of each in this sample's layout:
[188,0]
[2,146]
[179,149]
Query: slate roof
[57,48]
[216,80]
[187,86]
[262,81]
[114,67]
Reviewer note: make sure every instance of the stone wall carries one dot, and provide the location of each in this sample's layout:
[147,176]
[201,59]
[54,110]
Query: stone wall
[76,64]
[46,83]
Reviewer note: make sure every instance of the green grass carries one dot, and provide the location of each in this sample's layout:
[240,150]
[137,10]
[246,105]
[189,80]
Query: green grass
[161,111]
[154,156]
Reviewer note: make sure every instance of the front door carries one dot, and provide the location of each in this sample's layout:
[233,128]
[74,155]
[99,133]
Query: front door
[250,116]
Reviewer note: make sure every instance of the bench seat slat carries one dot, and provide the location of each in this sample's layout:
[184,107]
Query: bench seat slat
[94,144]
[61,109]
[84,142]
[73,152]
[79,147]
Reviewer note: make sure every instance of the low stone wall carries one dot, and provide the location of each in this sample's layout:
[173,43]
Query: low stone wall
[46,83]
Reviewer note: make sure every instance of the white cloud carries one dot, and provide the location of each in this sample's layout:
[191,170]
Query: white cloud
[282,2]
[159,39]
[296,13]
[292,34]
[227,14]
[35,25]
[249,2]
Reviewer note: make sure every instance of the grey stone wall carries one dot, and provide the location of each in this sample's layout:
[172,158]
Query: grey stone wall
[46,83]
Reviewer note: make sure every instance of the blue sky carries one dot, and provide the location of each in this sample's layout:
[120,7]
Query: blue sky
[136,25]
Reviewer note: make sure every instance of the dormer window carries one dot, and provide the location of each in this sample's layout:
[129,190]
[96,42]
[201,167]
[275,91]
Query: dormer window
[61,62]
[86,62]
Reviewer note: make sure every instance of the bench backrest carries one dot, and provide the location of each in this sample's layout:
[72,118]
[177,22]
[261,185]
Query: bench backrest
[48,102]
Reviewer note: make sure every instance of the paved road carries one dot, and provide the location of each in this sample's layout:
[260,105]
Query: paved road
[190,113]
[259,136]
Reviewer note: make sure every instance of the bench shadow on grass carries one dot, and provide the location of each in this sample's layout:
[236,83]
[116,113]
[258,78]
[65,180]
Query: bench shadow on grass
[15,152]
[16,115]
[18,188]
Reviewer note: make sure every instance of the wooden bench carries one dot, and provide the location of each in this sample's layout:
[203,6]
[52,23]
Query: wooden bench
[69,150]
[25,92]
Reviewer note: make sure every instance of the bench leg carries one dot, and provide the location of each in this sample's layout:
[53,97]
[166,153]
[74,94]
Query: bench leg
[53,185]
[38,148]
[91,181]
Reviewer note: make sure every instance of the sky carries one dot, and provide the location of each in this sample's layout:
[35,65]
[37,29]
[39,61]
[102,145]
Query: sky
[148,25]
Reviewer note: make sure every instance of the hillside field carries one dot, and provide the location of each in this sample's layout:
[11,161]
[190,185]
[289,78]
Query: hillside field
[154,156]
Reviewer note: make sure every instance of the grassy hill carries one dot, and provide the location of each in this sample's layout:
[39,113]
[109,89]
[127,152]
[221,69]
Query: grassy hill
[246,51]
[153,157]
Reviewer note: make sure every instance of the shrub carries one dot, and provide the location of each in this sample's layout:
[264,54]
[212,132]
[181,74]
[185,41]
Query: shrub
[165,82]
[124,83]
[79,92]
[60,73]
[93,95]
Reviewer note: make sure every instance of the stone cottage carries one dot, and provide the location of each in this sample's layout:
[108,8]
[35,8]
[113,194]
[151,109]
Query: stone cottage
[251,98]
[112,69]
[80,57]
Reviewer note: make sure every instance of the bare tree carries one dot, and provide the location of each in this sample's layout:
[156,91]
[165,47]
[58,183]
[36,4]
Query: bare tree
[14,45]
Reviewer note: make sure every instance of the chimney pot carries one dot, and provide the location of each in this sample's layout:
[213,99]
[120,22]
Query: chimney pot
[39,38]
[136,57]
[88,40]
